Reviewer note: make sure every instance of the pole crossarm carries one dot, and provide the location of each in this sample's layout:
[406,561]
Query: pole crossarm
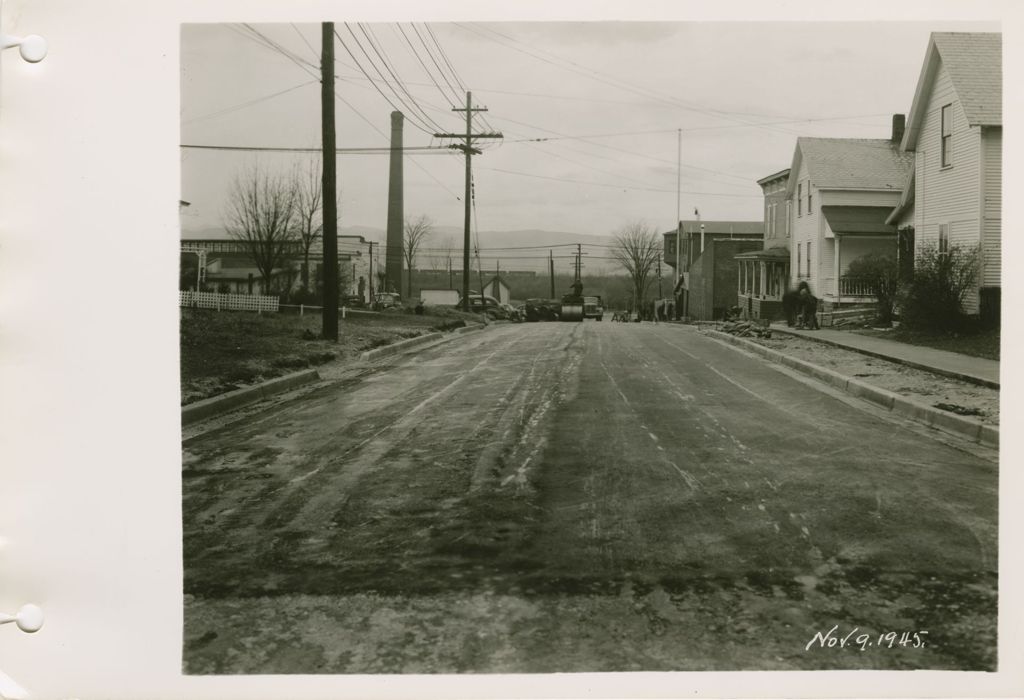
[466,146]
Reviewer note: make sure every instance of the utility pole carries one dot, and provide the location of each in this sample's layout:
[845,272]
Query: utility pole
[330,183]
[579,252]
[450,273]
[679,221]
[371,274]
[467,147]
[551,268]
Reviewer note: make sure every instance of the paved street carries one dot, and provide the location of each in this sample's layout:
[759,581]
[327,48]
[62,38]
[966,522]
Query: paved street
[583,497]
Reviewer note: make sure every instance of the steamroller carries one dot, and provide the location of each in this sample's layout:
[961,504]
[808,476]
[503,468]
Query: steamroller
[572,308]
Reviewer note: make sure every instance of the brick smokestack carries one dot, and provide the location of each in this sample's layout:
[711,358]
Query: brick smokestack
[899,124]
[396,211]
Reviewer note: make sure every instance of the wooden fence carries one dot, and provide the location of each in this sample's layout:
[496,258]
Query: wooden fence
[228,302]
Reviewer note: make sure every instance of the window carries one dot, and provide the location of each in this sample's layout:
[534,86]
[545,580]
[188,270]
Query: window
[799,259]
[789,213]
[800,199]
[808,259]
[947,135]
[809,197]
[943,239]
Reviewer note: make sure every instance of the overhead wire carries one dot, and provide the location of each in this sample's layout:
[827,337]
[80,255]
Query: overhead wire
[371,40]
[608,79]
[249,103]
[414,122]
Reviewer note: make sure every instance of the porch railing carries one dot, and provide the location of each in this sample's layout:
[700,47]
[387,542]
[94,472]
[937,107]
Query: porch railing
[855,287]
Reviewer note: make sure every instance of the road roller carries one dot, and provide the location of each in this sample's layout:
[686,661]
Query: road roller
[572,308]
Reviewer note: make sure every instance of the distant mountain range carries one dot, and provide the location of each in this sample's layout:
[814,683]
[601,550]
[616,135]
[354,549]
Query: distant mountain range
[511,250]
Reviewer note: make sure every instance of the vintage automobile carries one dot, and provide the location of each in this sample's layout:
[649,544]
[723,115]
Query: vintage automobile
[593,308]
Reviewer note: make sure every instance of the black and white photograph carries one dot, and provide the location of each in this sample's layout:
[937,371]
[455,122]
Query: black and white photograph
[466,350]
[540,347]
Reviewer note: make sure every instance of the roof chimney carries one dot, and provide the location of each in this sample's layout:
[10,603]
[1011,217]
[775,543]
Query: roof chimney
[899,123]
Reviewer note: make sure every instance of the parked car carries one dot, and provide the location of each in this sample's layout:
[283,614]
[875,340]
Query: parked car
[542,309]
[485,304]
[353,301]
[513,313]
[386,300]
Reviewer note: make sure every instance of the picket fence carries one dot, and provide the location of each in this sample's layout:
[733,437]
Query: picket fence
[228,302]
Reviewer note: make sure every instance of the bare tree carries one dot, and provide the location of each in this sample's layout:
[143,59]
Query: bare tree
[416,230]
[309,205]
[261,213]
[638,250]
[442,254]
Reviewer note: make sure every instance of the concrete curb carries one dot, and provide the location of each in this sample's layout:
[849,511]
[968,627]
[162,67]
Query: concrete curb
[406,343]
[397,347]
[963,426]
[216,405]
[467,329]
[972,378]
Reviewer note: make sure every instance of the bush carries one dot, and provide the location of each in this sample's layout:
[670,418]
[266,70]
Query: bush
[882,273]
[934,299]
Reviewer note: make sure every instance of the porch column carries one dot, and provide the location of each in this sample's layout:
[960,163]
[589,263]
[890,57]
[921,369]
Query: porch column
[739,280]
[764,284]
[837,266]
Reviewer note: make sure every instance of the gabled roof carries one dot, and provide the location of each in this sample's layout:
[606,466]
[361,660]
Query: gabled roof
[974,61]
[856,164]
[774,176]
[906,199]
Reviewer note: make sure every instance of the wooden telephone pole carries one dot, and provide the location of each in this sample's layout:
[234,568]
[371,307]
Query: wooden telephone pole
[330,178]
[467,147]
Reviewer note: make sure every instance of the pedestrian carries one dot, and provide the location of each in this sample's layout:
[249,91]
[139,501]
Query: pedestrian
[577,288]
[808,304]
[790,306]
[362,289]
[419,308]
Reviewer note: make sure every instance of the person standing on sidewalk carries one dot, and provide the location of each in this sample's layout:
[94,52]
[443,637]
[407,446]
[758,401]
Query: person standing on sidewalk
[808,307]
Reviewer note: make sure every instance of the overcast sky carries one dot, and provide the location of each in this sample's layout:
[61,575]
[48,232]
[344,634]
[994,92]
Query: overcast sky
[740,92]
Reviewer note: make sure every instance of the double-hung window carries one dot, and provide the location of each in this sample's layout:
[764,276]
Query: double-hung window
[947,135]
[943,239]
[799,199]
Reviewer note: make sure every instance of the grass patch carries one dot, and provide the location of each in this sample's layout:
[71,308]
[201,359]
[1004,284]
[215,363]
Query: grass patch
[223,350]
[981,343]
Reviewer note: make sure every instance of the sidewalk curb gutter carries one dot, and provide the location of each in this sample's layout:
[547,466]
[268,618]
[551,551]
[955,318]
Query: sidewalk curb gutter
[394,348]
[241,397]
[963,426]
[467,329]
[406,343]
[973,379]
[216,405]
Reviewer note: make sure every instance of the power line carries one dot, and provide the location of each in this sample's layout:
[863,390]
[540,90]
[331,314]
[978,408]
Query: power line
[607,79]
[634,153]
[371,40]
[263,40]
[620,187]
[444,76]
[362,70]
[426,70]
[383,150]
[316,54]
[249,103]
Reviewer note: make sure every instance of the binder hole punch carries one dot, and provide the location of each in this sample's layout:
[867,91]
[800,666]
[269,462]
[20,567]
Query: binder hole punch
[32,47]
[29,618]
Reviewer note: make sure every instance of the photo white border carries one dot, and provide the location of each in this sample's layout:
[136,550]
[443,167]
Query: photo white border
[90,520]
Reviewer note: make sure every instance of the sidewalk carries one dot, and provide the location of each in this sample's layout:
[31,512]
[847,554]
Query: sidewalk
[951,364]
